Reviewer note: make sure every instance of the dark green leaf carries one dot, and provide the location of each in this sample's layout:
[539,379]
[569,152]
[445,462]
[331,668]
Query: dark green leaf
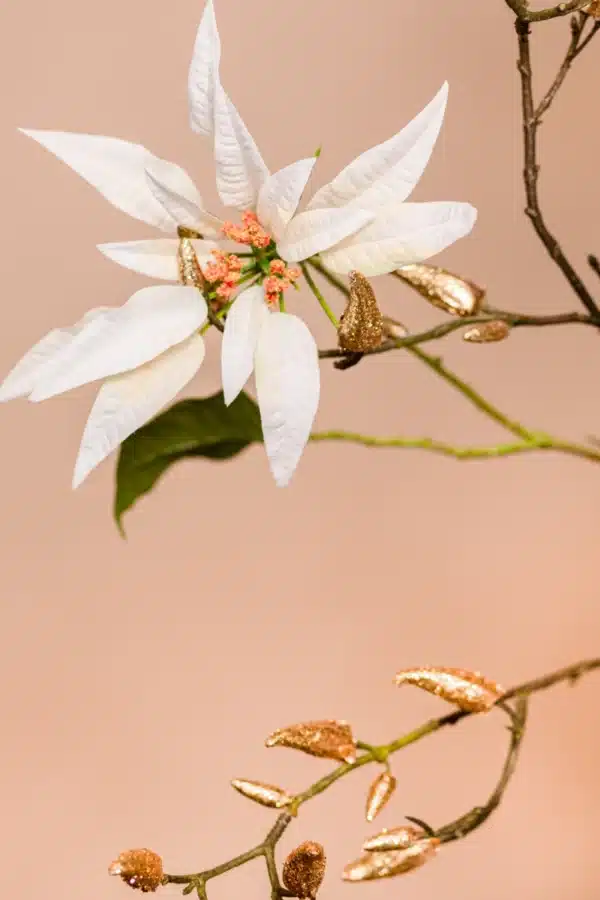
[203,427]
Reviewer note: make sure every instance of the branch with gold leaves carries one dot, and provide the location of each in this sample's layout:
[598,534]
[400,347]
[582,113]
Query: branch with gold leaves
[392,851]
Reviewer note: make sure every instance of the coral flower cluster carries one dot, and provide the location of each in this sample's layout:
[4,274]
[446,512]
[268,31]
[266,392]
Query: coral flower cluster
[224,269]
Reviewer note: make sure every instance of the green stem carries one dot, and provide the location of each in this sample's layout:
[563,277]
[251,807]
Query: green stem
[321,299]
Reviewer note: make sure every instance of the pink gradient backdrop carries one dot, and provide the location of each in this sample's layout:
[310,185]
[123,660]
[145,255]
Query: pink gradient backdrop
[140,676]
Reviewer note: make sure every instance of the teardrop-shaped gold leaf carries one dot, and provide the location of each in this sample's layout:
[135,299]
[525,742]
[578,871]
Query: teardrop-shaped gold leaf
[329,739]
[265,794]
[361,326]
[140,869]
[443,289]
[468,690]
[304,870]
[487,332]
[379,793]
[388,863]
[394,838]
[190,272]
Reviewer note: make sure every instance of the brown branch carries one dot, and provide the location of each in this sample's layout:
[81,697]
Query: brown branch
[531,171]
[524,14]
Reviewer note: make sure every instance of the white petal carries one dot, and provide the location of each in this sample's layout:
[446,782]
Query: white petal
[244,322]
[22,379]
[126,402]
[185,211]
[411,233]
[316,230]
[203,73]
[151,321]
[280,195]
[157,259]
[287,387]
[390,171]
[117,170]
[241,171]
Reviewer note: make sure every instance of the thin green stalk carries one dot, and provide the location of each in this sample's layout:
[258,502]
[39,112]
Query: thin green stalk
[321,299]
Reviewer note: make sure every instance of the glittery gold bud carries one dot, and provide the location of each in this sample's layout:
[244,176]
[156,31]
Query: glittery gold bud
[328,739]
[140,869]
[379,793]
[593,9]
[190,272]
[304,869]
[361,326]
[487,332]
[443,289]
[468,690]
[386,864]
[394,839]
[265,794]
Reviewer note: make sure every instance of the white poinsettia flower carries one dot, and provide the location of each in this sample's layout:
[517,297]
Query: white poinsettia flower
[358,221]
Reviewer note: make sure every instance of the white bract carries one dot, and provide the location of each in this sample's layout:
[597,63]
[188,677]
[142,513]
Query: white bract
[149,349]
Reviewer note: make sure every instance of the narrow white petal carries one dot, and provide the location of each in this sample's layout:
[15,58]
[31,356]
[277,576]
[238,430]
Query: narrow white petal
[241,171]
[411,233]
[184,210]
[204,73]
[287,387]
[153,320]
[22,379]
[126,402]
[117,170]
[244,322]
[319,229]
[390,171]
[157,259]
[280,195]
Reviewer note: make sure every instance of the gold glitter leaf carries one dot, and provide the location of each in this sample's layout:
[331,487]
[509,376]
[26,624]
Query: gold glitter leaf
[190,272]
[468,690]
[379,793]
[593,9]
[487,332]
[265,794]
[304,869]
[388,863]
[361,326]
[443,289]
[140,869]
[329,739]
[394,838]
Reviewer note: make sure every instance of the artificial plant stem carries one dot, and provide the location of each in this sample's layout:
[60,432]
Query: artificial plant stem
[320,298]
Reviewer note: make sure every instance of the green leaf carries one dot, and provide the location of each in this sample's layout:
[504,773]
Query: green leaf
[204,427]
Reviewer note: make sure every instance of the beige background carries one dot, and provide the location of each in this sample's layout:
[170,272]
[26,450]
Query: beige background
[140,676]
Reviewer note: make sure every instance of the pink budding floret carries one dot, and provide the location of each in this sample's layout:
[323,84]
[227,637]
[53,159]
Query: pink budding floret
[251,232]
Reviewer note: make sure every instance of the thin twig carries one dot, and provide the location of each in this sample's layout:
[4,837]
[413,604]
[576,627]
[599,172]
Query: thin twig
[531,171]
[594,263]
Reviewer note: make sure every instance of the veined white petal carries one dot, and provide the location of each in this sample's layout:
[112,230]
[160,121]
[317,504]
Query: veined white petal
[126,402]
[390,171]
[411,233]
[151,321]
[22,379]
[185,211]
[157,259]
[203,73]
[319,229]
[280,195]
[287,387]
[241,170]
[117,170]
[244,322]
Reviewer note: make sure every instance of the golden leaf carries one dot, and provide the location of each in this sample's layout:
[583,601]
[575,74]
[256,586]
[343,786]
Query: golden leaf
[304,869]
[329,739]
[443,289]
[487,332]
[468,690]
[361,325]
[140,869]
[388,863]
[265,794]
[379,793]
[400,838]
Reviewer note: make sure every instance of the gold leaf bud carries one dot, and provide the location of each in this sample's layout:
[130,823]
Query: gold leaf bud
[329,739]
[140,869]
[468,690]
[593,9]
[265,794]
[190,272]
[388,863]
[361,326]
[379,793]
[443,289]
[304,869]
[487,332]
[394,838]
